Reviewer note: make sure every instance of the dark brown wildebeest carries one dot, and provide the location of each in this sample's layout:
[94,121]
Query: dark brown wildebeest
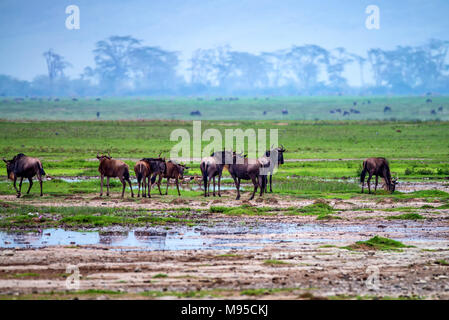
[246,169]
[156,166]
[387,109]
[21,167]
[380,168]
[270,163]
[111,168]
[284,111]
[172,171]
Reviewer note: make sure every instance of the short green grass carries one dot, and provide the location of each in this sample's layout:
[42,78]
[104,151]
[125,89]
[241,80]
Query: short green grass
[378,243]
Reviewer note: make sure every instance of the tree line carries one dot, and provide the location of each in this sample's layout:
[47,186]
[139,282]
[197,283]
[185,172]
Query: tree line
[124,66]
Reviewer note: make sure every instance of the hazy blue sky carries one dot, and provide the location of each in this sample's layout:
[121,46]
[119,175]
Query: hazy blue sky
[28,28]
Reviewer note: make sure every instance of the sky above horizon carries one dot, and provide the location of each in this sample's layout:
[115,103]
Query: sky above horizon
[27,29]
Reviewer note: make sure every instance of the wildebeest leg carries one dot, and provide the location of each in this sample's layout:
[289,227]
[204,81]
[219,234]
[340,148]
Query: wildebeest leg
[149,186]
[237,187]
[40,183]
[20,186]
[363,184]
[168,182]
[177,186]
[375,187]
[208,186]
[271,177]
[101,185]
[369,183]
[214,188]
[30,179]
[130,187]
[15,187]
[107,186]
[139,183]
[262,184]
[255,183]
[124,185]
[159,184]
[219,179]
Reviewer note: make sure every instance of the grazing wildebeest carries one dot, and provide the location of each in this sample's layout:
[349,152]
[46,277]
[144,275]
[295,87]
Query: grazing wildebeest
[440,109]
[429,100]
[284,111]
[338,110]
[271,155]
[380,168]
[246,169]
[210,168]
[111,168]
[172,171]
[433,112]
[387,109]
[264,113]
[332,111]
[346,113]
[156,166]
[24,167]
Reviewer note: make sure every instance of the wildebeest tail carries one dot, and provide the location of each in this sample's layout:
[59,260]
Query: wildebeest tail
[206,167]
[126,174]
[41,170]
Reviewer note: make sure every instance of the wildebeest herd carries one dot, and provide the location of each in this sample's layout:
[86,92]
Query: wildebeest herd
[147,170]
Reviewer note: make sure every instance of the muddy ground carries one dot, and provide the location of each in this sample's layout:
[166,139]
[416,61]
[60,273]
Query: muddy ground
[237,260]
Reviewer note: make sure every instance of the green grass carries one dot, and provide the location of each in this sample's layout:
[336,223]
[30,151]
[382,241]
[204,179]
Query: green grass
[273,262]
[160,275]
[442,262]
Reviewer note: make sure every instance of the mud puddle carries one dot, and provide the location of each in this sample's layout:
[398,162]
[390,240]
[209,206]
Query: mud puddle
[234,236]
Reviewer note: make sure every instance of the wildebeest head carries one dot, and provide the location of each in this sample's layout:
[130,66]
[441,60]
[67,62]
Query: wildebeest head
[280,153]
[393,183]
[9,168]
[103,157]
[181,169]
[10,164]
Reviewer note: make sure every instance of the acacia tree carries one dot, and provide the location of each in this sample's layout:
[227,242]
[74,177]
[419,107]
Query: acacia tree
[55,65]
[336,63]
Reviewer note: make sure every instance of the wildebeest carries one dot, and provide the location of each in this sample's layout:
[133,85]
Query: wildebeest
[21,167]
[380,168]
[195,113]
[354,103]
[429,100]
[440,109]
[345,113]
[212,167]
[155,166]
[243,168]
[338,110]
[264,113]
[142,171]
[172,171]
[387,109]
[111,168]
[284,111]
[433,112]
[332,111]
[271,155]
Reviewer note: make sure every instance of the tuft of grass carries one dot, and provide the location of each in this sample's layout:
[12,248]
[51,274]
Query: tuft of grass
[406,216]
[160,275]
[26,275]
[273,262]
[378,243]
[442,262]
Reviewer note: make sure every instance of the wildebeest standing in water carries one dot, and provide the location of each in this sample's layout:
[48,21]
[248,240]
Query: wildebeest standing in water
[172,171]
[378,167]
[24,167]
[111,168]
[270,156]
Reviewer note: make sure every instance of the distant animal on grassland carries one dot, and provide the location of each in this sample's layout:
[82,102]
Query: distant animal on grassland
[338,110]
[284,111]
[440,109]
[195,113]
[22,166]
[387,109]
[429,100]
[111,168]
[346,113]
[433,112]
[378,167]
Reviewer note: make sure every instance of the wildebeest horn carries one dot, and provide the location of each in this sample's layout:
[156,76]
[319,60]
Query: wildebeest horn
[5,160]
[109,155]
